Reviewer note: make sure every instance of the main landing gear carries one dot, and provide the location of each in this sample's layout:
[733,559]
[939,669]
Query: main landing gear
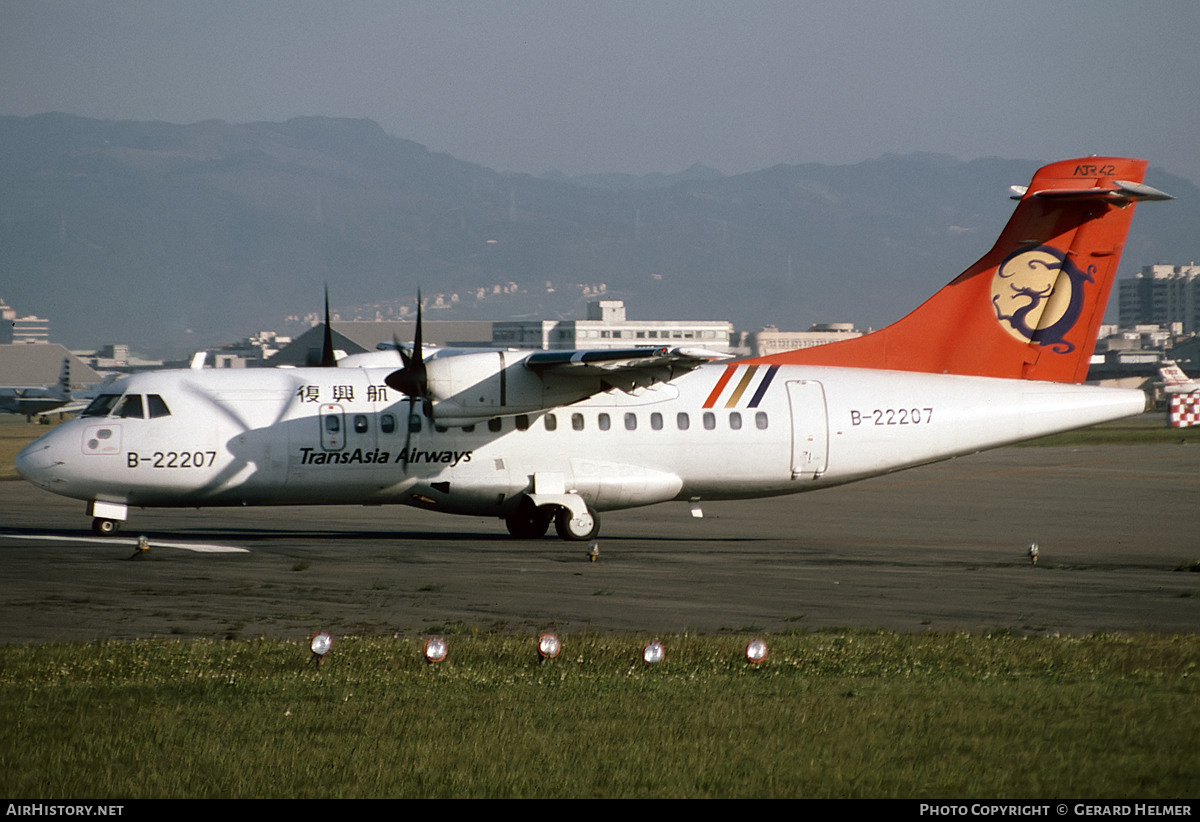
[576,527]
[528,521]
[573,519]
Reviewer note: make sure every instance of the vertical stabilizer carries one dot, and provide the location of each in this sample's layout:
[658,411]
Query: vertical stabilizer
[1032,306]
[64,378]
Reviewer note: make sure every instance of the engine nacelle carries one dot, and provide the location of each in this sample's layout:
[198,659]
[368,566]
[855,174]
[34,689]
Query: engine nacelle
[478,385]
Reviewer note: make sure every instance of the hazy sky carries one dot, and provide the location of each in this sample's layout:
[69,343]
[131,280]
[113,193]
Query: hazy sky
[524,85]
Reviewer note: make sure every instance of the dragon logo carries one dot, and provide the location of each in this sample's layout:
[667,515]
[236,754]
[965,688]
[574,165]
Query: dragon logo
[1038,296]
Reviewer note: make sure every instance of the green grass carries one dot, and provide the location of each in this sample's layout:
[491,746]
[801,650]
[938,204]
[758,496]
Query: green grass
[1146,430]
[834,714]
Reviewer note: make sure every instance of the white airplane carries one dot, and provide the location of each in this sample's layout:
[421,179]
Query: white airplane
[38,399]
[1175,380]
[534,437]
[1183,406]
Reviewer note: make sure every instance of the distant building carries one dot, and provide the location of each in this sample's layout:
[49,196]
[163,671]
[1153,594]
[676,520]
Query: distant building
[117,357]
[773,341]
[7,315]
[608,327]
[30,330]
[249,352]
[1161,295]
[14,329]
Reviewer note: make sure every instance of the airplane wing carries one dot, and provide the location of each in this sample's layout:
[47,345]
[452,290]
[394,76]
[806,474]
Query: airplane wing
[72,407]
[623,368]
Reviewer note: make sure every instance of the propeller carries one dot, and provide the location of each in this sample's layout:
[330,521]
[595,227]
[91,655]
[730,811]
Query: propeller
[413,379]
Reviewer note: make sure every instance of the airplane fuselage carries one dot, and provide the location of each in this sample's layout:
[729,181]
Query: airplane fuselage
[724,431]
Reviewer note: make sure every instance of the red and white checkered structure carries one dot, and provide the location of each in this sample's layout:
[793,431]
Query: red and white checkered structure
[1185,410]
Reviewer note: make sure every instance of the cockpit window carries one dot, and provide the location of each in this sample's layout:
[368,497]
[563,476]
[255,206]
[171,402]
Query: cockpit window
[131,407]
[156,407]
[100,406]
[127,406]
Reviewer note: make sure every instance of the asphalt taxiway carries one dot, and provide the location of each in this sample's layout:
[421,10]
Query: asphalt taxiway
[939,548]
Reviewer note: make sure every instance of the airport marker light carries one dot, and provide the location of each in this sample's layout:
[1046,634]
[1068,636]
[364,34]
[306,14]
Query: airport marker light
[756,651]
[653,652]
[320,644]
[435,649]
[548,646]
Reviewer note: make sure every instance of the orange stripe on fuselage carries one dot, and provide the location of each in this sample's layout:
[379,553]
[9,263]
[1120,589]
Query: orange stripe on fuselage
[720,386]
[741,386]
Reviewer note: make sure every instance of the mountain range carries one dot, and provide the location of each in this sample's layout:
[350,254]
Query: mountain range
[175,237]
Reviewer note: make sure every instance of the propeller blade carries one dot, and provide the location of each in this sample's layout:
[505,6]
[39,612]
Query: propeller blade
[418,354]
[328,360]
[413,378]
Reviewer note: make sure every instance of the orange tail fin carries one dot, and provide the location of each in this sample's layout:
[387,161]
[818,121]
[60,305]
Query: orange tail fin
[1032,306]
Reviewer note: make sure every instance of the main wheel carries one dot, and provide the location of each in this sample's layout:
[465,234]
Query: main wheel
[528,521]
[577,528]
[105,527]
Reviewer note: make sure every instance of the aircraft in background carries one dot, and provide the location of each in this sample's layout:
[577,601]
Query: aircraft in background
[32,400]
[1183,404]
[993,358]
[1175,381]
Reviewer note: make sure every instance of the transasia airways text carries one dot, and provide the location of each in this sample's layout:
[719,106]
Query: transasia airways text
[407,456]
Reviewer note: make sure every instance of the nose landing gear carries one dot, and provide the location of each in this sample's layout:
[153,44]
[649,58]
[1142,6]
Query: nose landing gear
[108,517]
[102,527]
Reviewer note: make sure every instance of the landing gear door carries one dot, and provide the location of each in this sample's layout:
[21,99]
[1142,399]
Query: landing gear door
[810,429]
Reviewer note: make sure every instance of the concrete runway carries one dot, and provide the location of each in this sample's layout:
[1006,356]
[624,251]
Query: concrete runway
[940,548]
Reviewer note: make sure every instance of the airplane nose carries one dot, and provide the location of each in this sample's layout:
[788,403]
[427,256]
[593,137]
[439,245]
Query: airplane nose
[35,461]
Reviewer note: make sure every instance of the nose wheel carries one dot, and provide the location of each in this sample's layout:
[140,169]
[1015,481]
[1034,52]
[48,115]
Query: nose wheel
[102,527]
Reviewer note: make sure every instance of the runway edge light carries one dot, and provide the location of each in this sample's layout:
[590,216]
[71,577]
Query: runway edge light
[435,649]
[548,646]
[320,643]
[653,652]
[756,651]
